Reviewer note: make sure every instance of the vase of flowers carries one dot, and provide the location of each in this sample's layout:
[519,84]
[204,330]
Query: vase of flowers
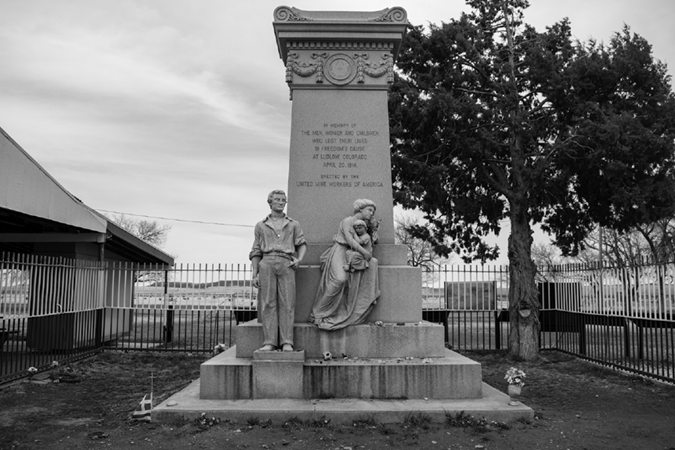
[516,379]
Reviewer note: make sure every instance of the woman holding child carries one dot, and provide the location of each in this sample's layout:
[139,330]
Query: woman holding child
[349,286]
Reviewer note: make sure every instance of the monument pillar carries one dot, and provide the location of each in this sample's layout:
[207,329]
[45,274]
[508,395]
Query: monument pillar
[339,66]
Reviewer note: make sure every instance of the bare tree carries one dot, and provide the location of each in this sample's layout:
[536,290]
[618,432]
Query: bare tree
[420,252]
[149,231]
[652,242]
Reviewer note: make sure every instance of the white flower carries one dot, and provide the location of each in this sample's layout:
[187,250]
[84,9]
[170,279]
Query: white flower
[515,376]
[32,369]
[327,356]
[219,348]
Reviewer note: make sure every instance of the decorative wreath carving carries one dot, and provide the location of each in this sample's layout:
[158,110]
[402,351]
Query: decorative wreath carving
[373,69]
[305,69]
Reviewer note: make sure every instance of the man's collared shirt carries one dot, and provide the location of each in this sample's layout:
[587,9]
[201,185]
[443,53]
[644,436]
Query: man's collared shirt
[284,240]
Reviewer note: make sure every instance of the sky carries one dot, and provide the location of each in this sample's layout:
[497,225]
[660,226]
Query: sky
[178,109]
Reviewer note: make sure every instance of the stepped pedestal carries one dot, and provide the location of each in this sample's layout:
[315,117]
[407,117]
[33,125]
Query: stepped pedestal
[368,361]
[450,376]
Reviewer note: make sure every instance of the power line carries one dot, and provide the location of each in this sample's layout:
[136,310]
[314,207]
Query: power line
[177,220]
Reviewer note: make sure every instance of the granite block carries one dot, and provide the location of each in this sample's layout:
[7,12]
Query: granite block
[366,341]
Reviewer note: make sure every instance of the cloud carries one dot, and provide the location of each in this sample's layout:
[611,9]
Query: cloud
[178,108]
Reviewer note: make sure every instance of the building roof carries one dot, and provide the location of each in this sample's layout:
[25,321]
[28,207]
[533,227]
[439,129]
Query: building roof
[35,208]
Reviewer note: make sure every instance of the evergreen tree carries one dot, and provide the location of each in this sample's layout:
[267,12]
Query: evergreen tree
[491,119]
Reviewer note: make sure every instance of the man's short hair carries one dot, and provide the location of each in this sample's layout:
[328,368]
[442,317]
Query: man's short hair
[273,193]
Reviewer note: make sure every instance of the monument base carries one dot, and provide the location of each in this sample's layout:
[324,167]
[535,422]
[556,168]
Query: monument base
[277,374]
[226,377]
[418,340]
[493,405]
[346,388]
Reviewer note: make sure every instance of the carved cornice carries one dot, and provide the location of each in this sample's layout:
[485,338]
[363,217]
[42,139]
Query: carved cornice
[288,14]
[395,14]
[353,50]
[336,45]
[291,14]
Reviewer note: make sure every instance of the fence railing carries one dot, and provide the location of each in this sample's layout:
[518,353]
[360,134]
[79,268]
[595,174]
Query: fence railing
[189,307]
[50,311]
[54,309]
[618,316]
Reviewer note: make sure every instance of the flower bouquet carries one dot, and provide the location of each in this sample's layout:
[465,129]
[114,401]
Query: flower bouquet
[515,377]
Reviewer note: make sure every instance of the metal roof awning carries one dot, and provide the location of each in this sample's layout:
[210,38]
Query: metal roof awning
[35,209]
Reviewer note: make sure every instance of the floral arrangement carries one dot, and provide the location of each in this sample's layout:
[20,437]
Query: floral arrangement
[515,377]
[219,348]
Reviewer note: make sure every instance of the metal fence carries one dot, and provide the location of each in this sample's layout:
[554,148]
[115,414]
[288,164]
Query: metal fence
[54,309]
[618,316]
[50,312]
[190,307]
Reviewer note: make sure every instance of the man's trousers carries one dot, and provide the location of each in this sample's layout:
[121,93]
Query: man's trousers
[277,299]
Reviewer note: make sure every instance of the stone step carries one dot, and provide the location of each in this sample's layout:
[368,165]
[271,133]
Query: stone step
[187,405]
[449,377]
[452,376]
[418,340]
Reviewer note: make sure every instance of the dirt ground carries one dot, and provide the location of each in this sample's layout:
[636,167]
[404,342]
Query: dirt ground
[577,405]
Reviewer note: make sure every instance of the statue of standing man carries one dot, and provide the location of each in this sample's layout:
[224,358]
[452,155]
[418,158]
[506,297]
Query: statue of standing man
[278,247]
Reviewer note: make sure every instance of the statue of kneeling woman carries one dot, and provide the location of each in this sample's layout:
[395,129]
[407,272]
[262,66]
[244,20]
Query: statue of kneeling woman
[349,285]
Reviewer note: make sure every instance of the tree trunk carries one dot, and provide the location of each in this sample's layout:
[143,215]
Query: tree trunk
[523,296]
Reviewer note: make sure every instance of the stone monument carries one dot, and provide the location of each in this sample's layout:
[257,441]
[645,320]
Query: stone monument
[339,66]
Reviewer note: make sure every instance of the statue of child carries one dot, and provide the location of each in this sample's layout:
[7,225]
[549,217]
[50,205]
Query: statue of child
[355,260]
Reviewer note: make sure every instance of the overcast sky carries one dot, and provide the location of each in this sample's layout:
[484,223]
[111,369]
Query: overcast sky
[179,109]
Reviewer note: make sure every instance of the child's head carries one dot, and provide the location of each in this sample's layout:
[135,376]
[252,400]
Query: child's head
[360,227]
